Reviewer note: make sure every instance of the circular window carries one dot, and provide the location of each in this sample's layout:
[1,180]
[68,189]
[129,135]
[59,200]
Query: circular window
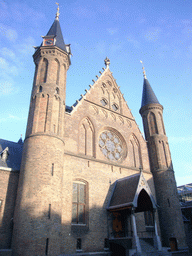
[110,145]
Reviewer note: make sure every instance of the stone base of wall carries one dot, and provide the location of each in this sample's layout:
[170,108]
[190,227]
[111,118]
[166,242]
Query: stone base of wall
[5,252]
[88,254]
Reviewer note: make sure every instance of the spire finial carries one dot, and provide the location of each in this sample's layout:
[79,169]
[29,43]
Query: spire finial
[107,62]
[57,14]
[144,74]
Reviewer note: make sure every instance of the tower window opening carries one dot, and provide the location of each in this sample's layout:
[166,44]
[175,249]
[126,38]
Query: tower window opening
[79,244]
[40,88]
[106,243]
[57,90]
[54,128]
[49,212]
[52,169]
[46,246]
[168,202]
[1,203]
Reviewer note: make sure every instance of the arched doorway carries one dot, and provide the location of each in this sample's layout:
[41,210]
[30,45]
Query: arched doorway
[144,202]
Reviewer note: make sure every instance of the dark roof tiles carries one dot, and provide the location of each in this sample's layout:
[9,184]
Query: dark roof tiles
[124,191]
[55,31]
[149,96]
[14,154]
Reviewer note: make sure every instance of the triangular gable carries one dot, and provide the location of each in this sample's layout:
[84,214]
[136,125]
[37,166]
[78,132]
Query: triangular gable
[142,184]
[105,88]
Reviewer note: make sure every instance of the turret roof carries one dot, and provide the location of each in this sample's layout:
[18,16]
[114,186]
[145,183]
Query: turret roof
[55,31]
[149,96]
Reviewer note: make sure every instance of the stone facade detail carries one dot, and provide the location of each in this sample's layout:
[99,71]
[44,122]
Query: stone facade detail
[88,180]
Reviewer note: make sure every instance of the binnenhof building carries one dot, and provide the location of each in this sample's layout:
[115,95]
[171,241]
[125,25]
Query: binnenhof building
[88,182]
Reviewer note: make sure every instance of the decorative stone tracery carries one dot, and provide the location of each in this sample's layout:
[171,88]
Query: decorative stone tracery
[111,145]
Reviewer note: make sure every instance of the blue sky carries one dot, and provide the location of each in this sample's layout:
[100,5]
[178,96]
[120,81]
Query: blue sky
[157,32]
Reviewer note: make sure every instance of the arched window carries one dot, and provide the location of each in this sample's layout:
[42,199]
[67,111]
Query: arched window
[134,152]
[162,124]
[58,71]
[115,107]
[104,102]
[79,202]
[86,137]
[152,124]
[57,90]
[43,71]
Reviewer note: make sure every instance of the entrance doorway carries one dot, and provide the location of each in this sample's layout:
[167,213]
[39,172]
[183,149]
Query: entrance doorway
[117,250]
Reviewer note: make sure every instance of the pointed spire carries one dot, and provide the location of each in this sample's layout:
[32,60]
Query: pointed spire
[55,33]
[148,96]
[20,141]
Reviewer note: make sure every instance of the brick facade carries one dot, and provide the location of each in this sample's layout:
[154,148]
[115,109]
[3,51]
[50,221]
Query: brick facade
[94,144]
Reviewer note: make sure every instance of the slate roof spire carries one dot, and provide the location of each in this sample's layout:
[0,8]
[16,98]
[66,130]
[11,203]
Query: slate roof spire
[149,96]
[55,31]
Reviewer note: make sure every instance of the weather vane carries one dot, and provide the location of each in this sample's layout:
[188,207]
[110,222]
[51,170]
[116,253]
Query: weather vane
[57,14]
[144,74]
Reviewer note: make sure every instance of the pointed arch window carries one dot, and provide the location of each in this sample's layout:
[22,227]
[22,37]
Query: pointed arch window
[57,90]
[135,152]
[153,124]
[43,71]
[115,107]
[58,71]
[104,102]
[86,137]
[162,124]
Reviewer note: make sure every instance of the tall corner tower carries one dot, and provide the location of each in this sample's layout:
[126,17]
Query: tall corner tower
[170,218]
[37,218]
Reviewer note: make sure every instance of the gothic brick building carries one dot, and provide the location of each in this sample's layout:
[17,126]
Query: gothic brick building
[88,181]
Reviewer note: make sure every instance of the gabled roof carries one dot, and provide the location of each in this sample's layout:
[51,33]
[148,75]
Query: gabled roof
[126,192]
[149,96]
[55,31]
[14,154]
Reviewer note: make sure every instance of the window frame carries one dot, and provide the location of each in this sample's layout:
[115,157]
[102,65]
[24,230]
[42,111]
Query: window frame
[104,101]
[79,204]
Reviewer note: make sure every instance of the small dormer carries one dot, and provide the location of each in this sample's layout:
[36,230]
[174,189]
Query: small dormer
[49,40]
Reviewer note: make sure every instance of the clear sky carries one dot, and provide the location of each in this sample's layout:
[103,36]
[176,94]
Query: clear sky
[126,31]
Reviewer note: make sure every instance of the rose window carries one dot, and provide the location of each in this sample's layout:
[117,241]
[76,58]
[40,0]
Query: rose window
[110,145]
